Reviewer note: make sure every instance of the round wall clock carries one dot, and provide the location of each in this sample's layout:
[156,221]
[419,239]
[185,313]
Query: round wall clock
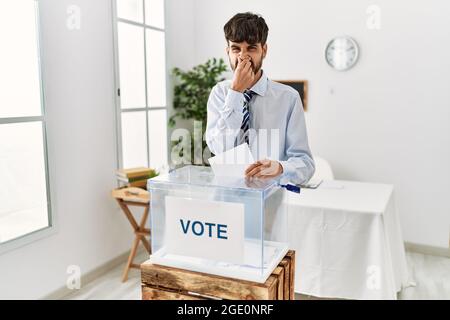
[342,53]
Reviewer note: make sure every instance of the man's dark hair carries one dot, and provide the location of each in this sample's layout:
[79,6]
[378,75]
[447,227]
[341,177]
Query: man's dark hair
[248,27]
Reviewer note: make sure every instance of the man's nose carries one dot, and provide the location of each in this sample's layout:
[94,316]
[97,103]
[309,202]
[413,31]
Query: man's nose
[243,54]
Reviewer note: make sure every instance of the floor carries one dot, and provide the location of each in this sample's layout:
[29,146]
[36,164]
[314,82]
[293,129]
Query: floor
[431,274]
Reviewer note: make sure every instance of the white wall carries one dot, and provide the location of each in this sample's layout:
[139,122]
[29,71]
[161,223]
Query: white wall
[78,75]
[386,120]
[180,46]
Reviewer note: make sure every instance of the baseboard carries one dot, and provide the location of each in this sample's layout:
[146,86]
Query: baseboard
[426,249]
[93,274]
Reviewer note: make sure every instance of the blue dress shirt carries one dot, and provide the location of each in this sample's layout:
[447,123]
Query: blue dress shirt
[275,107]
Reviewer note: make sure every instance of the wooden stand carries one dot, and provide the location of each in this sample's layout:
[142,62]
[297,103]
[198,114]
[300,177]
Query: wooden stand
[167,283]
[125,200]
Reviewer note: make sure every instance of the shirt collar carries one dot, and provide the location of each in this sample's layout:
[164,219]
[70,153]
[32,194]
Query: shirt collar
[260,87]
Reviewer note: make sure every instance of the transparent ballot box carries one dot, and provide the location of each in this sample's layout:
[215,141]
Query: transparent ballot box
[225,226]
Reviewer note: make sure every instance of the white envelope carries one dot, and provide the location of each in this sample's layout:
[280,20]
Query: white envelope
[233,162]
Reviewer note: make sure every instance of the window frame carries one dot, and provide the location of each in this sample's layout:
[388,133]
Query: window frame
[51,228]
[117,98]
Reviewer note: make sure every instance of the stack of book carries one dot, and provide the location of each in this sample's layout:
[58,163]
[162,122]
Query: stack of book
[135,177]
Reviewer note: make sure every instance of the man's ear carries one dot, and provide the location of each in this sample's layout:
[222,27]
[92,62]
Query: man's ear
[227,49]
[264,48]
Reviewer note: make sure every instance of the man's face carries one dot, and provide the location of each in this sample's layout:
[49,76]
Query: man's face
[237,51]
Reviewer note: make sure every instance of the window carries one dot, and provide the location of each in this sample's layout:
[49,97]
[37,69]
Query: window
[141,83]
[24,193]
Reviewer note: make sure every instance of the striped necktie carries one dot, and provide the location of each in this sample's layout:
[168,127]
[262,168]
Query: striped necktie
[248,94]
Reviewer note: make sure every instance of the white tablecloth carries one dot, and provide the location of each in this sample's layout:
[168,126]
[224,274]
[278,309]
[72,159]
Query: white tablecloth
[348,241]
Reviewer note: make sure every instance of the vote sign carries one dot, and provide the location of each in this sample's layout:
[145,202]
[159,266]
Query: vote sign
[205,229]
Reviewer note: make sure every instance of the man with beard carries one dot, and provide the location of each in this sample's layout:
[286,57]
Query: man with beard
[239,108]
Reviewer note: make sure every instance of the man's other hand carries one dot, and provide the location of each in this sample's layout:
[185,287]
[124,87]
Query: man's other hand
[264,169]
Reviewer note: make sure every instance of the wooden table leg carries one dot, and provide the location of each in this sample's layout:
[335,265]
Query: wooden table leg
[130,259]
[140,235]
[143,232]
[128,214]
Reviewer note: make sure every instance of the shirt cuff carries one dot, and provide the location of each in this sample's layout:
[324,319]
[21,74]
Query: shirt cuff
[288,169]
[234,100]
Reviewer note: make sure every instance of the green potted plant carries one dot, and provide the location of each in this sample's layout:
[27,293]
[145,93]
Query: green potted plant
[191,93]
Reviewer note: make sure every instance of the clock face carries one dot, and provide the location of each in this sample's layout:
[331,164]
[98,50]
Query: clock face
[342,53]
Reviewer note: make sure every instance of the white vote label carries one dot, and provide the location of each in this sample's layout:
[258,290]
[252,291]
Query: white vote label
[205,229]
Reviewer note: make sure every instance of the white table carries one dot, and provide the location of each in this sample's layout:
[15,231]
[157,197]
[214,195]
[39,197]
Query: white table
[348,241]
